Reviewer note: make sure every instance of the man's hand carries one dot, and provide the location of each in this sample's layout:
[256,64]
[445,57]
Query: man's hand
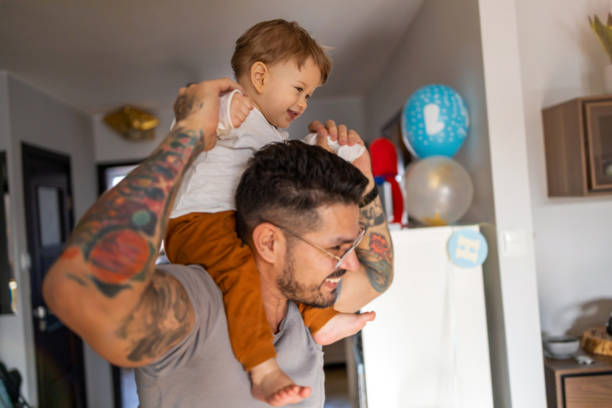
[240,108]
[197,108]
[344,136]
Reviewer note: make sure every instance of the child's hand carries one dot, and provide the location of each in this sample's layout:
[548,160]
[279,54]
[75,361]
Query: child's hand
[340,133]
[240,108]
[344,137]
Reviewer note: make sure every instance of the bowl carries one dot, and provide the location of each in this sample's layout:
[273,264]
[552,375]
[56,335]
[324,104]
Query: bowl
[562,346]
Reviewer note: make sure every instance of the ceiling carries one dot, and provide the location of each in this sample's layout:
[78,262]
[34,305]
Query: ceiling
[98,54]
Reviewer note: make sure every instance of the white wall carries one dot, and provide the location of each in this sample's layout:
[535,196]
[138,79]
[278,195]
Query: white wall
[514,226]
[561,59]
[449,43]
[37,119]
[345,110]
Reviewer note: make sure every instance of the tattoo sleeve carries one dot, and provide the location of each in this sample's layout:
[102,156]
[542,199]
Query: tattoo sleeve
[113,251]
[159,320]
[120,235]
[376,249]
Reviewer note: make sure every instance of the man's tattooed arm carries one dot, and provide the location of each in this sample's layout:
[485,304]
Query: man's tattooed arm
[104,285]
[375,253]
[376,250]
[120,235]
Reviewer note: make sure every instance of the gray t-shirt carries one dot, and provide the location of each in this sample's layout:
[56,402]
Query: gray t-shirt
[202,371]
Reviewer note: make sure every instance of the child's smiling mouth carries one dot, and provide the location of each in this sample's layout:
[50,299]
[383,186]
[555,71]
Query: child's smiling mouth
[292,114]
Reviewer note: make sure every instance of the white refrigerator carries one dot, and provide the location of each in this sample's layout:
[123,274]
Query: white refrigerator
[428,346]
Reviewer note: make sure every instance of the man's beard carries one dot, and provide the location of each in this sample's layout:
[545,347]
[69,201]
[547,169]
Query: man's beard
[310,295]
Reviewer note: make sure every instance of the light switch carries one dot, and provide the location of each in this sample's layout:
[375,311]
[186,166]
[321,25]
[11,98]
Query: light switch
[514,242]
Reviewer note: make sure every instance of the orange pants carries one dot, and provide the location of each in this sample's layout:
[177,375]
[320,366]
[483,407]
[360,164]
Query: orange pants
[210,240]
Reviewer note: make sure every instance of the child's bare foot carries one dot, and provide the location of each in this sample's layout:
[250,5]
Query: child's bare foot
[271,385]
[342,325]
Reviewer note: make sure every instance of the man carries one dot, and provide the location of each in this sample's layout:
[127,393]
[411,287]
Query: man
[168,320]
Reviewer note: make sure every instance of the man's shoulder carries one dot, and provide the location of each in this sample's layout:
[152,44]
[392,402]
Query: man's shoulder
[199,291]
[202,291]
[205,364]
[188,275]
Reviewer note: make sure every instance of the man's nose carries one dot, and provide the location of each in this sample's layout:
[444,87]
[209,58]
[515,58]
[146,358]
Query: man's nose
[351,262]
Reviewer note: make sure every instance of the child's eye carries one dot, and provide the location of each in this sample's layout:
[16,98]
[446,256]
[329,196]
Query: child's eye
[299,89]
[307,96]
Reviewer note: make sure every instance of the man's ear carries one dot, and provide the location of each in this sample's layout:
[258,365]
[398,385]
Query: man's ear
[267,242]
[259,75]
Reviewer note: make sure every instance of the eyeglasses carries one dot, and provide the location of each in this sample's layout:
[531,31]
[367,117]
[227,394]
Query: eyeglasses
[339,259]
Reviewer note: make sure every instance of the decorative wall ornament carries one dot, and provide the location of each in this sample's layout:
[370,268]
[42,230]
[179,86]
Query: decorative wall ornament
[603,32]
[132,123]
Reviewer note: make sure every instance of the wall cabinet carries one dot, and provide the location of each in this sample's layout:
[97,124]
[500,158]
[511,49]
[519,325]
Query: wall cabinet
[578,143]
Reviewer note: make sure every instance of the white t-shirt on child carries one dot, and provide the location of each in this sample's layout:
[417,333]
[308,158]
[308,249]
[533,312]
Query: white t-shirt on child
[210,183]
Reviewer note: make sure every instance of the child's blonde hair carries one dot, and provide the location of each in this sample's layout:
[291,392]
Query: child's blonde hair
[277,41]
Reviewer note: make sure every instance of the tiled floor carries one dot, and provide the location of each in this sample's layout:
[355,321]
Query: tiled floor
[336,387]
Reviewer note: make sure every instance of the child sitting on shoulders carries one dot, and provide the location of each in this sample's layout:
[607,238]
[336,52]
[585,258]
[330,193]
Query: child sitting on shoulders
[279,65]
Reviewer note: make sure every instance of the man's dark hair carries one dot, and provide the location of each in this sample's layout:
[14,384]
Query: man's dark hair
[285,183]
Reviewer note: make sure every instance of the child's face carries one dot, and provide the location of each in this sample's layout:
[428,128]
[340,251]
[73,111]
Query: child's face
[285,95]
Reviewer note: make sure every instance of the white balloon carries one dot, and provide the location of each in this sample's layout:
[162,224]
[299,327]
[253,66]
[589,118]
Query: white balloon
[438,190]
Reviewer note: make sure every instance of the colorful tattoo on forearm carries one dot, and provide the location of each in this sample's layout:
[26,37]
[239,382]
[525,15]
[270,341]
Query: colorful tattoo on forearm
[376,253]
[120,235]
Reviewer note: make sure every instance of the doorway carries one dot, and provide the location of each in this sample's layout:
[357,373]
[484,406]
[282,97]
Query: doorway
[49,220]
[124,382]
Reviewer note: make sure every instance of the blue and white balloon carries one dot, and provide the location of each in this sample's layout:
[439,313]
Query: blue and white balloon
[435,122]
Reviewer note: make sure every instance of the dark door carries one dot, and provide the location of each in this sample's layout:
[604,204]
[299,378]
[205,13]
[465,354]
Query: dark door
[48,210]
